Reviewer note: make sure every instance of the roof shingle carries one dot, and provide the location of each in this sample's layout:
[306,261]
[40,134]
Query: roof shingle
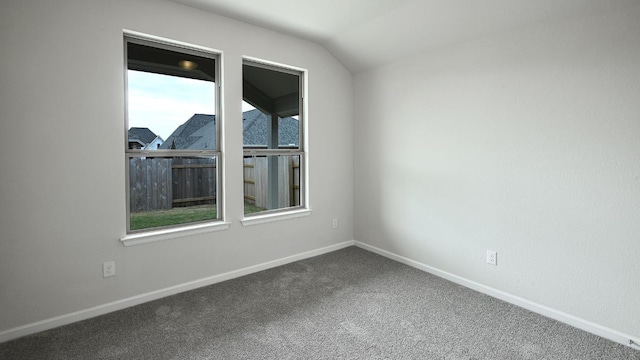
[198,133]
[142,134]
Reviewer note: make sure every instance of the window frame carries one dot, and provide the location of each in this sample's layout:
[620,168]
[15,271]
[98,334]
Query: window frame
[303,208]
[139,236]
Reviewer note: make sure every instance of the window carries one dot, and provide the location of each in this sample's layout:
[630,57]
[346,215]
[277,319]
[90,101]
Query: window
[172,135]
[273,134]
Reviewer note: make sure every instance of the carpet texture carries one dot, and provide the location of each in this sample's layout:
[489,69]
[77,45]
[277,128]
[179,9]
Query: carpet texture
[349,304]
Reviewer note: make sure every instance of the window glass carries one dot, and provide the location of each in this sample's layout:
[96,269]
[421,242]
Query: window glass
[272,133]
[255,129]
[170,99]
[263,173]
[165,191]
[172,135]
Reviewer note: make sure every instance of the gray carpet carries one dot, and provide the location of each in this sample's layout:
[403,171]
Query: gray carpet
[349,304]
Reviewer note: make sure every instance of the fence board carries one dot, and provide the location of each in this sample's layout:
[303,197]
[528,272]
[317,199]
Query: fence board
[194,181]
[149,187]
[255,180]
[161,183]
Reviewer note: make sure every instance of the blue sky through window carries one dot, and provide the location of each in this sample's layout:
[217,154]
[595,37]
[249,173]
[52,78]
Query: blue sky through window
[162,102]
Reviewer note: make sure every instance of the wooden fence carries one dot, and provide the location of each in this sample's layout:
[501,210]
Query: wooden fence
[256,176]
[164,183]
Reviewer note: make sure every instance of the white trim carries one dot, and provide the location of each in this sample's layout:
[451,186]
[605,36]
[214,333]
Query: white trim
[153,295]
[172,233]
[166,41]
[563,317]
[269,63]
[267,218]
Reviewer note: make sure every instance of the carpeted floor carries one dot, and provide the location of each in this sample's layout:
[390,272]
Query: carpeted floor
[349,304]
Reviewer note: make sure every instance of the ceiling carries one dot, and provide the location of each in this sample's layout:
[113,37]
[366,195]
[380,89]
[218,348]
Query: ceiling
[154,59]
[271,91]
[366,33]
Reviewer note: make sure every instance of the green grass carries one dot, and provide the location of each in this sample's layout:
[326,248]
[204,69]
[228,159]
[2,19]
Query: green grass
[179,215]
[175,216]
[249,208]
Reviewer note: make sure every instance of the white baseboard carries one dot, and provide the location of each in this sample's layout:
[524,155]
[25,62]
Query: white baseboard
[142,298]
[574,321]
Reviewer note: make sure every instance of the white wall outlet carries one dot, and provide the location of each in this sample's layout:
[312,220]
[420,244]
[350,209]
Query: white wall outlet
[108,268]
[492,257]
[334,223]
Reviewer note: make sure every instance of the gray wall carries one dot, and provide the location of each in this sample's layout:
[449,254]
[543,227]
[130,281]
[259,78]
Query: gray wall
[524,142]
[61,118]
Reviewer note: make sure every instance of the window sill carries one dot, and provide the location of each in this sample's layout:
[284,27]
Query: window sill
[166,234]
[261,219]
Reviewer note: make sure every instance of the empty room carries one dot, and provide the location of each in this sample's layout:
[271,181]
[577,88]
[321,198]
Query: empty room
[336,179]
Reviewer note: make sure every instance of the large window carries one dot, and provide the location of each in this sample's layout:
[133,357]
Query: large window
[273,132]
[172,135]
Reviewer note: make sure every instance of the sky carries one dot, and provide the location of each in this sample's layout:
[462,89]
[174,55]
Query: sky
[162,103]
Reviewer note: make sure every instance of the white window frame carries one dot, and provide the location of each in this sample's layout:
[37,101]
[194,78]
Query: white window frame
[147,235]
[303,208]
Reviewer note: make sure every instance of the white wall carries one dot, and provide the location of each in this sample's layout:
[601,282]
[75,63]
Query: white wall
[524,142]
[62,207]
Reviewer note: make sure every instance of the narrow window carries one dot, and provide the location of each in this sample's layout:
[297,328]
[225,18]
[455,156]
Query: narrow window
[172,135]
[272,138]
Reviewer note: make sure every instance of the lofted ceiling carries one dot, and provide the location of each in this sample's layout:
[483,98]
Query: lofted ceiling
[366,33]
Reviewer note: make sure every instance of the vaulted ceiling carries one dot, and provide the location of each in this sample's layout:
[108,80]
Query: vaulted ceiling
[365,33]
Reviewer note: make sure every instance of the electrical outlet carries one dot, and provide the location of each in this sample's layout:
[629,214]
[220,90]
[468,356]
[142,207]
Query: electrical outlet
[108,268]
[334,223]
[492,257]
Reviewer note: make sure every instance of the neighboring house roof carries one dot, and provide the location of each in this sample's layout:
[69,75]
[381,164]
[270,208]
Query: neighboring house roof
[196,133]
[254,126]
[141,135]
[199,132]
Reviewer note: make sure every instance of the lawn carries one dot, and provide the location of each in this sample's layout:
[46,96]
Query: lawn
[249,208]
[179,215]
